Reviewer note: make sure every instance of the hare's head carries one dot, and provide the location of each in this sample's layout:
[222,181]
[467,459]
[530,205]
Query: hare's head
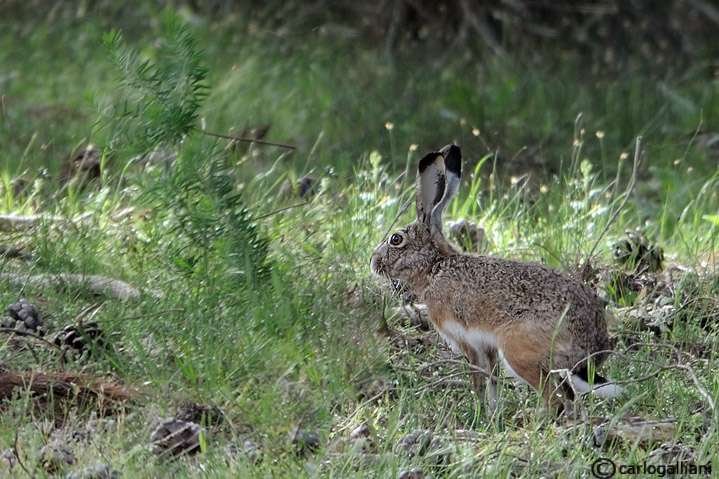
[408,254]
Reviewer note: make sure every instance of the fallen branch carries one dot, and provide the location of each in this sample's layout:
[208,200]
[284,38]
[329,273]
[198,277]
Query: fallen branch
[97,284]
[25,222]
[57,386]
[635,431]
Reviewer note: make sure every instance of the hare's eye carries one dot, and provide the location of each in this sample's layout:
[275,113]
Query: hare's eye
[396,239]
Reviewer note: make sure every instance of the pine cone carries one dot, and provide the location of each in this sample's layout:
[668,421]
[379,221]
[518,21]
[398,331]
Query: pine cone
[54,457]
[98,471]
[77,338]
[176,437]
[23,316]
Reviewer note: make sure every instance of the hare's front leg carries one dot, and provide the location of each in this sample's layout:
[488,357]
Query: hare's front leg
[489,362]
[484,380]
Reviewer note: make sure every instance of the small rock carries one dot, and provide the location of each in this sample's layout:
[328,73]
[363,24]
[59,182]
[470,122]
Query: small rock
[634,430]
[249,450]
[363,438]
[8,459]
[255,132]
[98,471]
[87,161]
[176,437]
[671,453]
[252,451]
[423,443]
[354,295]
[414,473]
[158,156]
[650,317]
[360,432]
[414,444]
[305,442]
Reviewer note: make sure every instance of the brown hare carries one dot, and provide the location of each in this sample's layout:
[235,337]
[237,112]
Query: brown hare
[533,317]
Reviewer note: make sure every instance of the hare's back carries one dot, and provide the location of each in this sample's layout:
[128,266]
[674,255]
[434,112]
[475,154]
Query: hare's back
[515,290]
[517,278]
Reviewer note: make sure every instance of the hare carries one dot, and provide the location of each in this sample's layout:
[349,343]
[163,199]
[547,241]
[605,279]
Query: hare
[534,318]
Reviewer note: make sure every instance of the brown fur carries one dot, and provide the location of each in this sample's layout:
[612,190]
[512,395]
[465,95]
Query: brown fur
[540,318]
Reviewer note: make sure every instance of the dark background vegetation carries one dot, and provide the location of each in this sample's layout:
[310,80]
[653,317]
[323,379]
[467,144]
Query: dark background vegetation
[518,71]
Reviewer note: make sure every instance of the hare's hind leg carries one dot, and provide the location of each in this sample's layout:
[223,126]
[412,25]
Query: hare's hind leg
[525,363]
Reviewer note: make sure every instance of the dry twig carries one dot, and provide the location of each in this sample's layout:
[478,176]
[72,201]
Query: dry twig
[17,455]
[248,140]
[280,210]
[28,334]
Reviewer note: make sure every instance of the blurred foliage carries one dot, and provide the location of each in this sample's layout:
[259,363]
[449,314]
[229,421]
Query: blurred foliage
[506,78]
[161,96]
[669,34]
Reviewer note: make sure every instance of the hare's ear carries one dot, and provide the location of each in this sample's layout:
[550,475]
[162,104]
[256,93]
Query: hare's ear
[452,157]
[430,185]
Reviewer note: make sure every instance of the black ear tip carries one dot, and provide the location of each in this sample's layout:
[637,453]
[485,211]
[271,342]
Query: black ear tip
[427,160]
[452,158]
[450,149]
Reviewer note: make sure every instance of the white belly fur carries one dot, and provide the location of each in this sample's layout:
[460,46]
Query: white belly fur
[454,333]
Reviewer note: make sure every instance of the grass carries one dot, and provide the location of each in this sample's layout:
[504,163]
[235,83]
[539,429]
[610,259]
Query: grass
[271,315]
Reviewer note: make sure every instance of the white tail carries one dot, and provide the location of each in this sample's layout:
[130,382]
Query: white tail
[602,387]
